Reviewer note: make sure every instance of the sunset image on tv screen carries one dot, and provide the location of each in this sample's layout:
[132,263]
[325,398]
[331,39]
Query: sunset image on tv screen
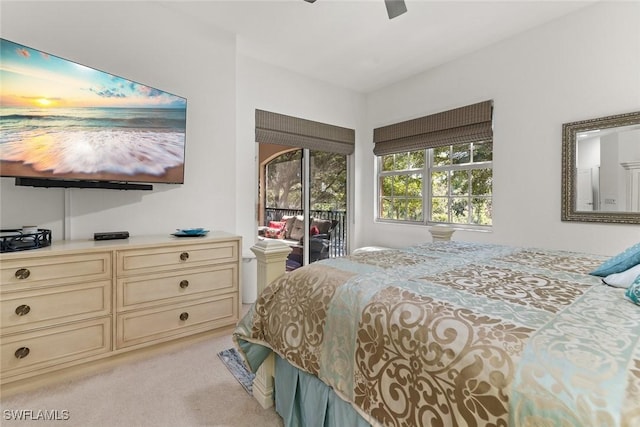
[60,119]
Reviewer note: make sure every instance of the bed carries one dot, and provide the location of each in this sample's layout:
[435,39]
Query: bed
[449,334]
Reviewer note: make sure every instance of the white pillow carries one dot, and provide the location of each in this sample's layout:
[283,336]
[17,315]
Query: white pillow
[623,279]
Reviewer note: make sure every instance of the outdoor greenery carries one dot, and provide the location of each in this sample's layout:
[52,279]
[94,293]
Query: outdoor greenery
[456,182]
[328,179]
[460,177]
[283,184]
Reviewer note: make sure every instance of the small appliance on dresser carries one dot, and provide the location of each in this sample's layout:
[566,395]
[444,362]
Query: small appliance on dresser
[111,235]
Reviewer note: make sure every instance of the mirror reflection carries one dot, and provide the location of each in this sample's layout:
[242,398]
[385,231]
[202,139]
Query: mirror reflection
[601,169]
[607,169]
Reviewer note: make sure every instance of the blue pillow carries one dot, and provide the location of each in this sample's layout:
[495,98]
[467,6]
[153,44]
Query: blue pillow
[621,262]
[633,291]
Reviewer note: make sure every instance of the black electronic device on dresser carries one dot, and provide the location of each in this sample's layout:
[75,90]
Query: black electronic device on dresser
[111,235]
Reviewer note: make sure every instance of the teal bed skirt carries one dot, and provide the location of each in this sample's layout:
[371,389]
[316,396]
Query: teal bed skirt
[302,400]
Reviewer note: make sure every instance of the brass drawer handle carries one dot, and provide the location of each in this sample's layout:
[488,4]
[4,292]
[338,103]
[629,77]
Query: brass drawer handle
[23,310]
[23,273]
[184,316]
[184,256]
[22,352]
[184,284]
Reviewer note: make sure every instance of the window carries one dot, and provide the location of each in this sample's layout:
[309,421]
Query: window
[328,186]
[401,186]
[283,183]
[320,187]
[437,168]
[449,185]
[282,178]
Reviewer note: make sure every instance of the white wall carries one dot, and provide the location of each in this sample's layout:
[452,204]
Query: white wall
[537,81]
[266,87]
[147,43]
[629,145]
[582,66]
[628,151]
[588,152]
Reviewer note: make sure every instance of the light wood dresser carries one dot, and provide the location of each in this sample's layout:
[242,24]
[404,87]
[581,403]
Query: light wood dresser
[77,304]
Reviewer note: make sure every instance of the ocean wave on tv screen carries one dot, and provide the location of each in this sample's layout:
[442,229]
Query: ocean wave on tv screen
[171,119]
[118,151]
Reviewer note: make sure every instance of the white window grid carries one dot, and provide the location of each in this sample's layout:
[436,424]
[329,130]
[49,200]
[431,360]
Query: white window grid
[425,172]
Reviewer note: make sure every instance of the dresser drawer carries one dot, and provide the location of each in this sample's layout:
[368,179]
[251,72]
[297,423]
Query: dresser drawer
[165,258]
[44,307]
[51,270]
[140,291]
[162,324]
[53,346]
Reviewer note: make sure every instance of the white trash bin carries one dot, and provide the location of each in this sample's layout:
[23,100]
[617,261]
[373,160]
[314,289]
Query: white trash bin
[249,278]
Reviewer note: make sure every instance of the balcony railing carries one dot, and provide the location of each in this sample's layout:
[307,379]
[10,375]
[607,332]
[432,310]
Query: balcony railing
[338,236]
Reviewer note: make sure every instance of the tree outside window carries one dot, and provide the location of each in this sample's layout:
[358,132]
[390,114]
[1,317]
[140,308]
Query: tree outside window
[452,184]
[328,181]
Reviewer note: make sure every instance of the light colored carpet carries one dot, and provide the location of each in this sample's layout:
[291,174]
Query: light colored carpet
[188,387]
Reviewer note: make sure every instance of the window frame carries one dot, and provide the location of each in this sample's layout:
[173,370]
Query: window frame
[426,171]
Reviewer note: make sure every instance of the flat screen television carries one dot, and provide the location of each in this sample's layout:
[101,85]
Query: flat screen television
[68,125]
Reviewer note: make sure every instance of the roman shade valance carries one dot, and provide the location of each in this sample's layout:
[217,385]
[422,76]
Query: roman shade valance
[472,123]
[274,128]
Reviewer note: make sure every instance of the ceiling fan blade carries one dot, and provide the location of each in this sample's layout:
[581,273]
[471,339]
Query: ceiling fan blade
[394,7]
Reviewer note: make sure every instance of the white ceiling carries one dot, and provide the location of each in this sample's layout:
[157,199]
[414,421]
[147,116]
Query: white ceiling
[353,44]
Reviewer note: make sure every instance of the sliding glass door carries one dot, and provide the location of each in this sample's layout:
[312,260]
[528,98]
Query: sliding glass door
[303,186]
[328,196]
[311,207]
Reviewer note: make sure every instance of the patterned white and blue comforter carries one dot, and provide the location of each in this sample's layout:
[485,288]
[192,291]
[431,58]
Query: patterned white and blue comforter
[459,334]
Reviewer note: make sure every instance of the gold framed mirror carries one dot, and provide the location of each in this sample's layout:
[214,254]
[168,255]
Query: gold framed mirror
[601,170]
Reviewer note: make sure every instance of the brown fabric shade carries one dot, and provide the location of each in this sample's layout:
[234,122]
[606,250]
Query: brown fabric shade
[274,128]
[472,123]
